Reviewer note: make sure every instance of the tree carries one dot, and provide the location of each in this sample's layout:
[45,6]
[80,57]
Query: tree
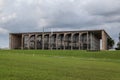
[110,42]
[118,44]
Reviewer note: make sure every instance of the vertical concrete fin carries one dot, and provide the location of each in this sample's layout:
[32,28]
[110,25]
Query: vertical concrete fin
[22,42]
[104,40]
[43,41]
[56,41]
[10,41]
[79,40]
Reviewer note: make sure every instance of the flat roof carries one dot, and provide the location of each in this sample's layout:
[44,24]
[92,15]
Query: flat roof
[61,32]
[58,31]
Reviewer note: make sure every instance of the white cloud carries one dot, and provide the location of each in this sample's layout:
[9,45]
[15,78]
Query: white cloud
[43,23]
[19,3]
[5,18]
[32,15]
[1,4]
[3,31]
[102,6]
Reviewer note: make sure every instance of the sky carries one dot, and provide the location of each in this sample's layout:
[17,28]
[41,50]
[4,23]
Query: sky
[58,15]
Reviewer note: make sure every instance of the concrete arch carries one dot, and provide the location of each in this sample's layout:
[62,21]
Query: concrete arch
[46,41]
[26,41]
[60,41]
[32,42]
[83,39]
[67,41]
[53,41]
[75,42]
[39,41]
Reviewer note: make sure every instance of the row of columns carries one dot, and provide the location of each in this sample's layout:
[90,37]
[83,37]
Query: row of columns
[15,40]
[56,41]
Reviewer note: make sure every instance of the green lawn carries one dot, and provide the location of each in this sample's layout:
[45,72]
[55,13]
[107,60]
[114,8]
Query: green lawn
[59,65]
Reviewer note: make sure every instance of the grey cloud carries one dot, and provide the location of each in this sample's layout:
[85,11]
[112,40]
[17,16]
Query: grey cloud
[102,7]
[32,15]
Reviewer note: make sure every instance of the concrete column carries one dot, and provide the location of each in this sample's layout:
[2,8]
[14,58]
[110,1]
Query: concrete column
[10,41]
[43,41]
[35,41]
[87,41]
[51,45]
[22,42]
[79,40]
[91,43]
[104,40]
[49,41]
[99,45]
[64,40]
[29,41]
[72,41]
[57,41]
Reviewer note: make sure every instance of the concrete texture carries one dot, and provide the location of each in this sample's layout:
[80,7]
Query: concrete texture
[65,40]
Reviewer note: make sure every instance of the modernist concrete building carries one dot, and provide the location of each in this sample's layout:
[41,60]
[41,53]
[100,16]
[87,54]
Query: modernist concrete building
[66,40]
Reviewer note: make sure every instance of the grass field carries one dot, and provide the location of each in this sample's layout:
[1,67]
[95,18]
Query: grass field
[59,65]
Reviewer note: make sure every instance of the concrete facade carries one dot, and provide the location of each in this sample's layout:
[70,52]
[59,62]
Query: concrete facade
[63,40]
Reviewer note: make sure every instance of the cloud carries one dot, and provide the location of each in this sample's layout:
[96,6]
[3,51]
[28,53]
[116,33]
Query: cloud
[102,7]
[33,15]
[3,31]
[6,18]
[1,3]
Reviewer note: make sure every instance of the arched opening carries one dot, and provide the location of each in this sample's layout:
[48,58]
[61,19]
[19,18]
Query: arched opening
[83,39]
[60,41]
[46,41]
[26,41]
[39,42]
[76,41]
[67,41]
[53,41]
[32,42]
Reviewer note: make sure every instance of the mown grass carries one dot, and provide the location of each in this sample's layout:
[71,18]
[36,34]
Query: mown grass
[73,53]
[59,65]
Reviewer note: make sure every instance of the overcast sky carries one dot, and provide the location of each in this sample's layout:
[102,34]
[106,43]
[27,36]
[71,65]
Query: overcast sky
[32,15]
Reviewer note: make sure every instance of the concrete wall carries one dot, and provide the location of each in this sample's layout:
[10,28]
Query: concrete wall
[94,42]
[15,41]
[82,40]
[104,40]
